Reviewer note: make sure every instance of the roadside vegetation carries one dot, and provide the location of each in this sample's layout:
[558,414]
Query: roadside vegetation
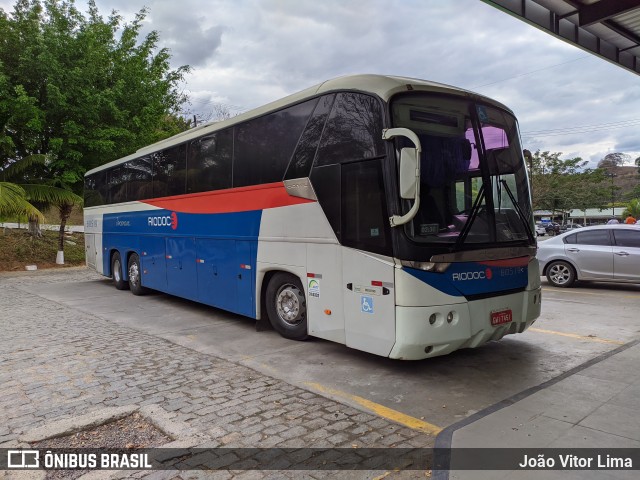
[18,248]
[565,184]
[77,90]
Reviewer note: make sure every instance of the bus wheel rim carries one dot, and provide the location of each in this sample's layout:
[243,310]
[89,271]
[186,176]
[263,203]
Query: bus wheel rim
[290,304]
[116,270]
[134,273]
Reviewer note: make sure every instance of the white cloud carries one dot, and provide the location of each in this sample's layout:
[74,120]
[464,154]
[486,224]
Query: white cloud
[245,53]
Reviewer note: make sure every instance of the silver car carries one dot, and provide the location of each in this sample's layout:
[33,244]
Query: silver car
[607,253]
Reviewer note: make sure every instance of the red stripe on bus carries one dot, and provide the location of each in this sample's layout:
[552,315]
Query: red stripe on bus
[511,262]
[242,199]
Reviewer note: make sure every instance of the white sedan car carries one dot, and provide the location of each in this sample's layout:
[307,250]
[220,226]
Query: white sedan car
[606,253]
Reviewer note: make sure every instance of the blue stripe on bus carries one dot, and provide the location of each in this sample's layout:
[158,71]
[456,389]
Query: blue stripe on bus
[208,258]
[473,278]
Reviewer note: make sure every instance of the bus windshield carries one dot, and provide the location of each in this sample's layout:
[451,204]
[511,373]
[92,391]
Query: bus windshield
[473,185]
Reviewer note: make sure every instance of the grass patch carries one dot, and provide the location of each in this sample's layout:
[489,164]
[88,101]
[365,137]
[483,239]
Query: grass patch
[18,249]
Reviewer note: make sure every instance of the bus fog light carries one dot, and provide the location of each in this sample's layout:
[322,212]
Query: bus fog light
[428,350]
[450,317]
[432,318]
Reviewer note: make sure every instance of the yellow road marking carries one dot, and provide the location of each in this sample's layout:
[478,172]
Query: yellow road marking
[380,410]
[567,290]
[576,336]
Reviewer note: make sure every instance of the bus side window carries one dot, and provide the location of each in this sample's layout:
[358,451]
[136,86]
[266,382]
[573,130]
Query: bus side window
[264,146]
[139,179]
[169,171]
[95,189]
[353,131]
[302,159]
[209,162]
[364,214]
[117,184]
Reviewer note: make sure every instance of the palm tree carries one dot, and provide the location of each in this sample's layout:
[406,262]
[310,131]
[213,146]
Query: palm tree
[13,202]
[24,196]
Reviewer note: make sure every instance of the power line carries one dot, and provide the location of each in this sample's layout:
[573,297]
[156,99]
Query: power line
[529,73]
[582,129]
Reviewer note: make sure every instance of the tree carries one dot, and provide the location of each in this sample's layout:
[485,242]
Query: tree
[80,90]
[41,192]
[612,160]
[565,184]
[637,161]
[633,209]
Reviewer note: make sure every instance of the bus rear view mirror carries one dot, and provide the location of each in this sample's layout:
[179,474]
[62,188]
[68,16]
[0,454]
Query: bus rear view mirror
[408,165]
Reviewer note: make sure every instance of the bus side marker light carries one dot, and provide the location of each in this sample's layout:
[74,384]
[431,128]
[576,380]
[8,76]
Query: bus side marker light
[327,312]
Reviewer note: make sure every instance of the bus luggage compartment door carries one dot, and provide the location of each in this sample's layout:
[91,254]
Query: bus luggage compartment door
[154,266]
[369,302]
[226,278]
[181,267]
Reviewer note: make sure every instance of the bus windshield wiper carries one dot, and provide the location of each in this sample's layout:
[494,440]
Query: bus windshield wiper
[472,217]
[519,211]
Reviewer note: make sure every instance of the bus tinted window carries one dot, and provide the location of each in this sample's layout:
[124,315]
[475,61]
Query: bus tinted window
[306,150]
[139,186]
[169,171]
[209,162]
[263,147]
[94,189]
[364,214]
[353,131]
[117,184]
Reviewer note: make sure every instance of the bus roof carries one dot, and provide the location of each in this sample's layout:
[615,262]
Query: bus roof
[384,86]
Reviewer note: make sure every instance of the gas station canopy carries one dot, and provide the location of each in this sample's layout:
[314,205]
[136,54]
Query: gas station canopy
[608,28]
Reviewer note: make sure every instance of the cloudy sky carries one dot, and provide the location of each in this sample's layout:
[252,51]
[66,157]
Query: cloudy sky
[245,53]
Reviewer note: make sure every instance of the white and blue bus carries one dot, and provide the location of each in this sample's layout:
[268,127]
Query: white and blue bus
[389,214]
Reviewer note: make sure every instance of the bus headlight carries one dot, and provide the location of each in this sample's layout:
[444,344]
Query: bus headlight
[426,266]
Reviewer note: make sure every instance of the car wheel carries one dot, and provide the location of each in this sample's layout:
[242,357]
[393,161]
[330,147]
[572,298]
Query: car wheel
[116,272]
[287,306]
[135,275]
[561,274]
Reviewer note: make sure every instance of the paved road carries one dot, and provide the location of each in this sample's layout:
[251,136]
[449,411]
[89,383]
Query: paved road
[77,343]
[68,357]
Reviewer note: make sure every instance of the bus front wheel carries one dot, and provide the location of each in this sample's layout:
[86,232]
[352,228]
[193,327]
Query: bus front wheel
[116,272]
[135,275]
[287,306]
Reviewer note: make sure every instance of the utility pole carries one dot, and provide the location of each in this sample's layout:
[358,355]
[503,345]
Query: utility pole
[613,194]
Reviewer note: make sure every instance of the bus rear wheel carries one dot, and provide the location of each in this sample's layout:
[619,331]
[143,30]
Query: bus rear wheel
[287,306]
[135,275]
[116,272]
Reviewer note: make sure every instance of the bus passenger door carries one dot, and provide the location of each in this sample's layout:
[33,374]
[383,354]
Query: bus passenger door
[367,278]
[181,267]
[369,301]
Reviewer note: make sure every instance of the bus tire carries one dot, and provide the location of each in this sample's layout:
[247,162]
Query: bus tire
[116,272]
[287,306]
[135,275]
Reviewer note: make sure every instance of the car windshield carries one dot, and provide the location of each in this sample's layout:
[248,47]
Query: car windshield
[473,185]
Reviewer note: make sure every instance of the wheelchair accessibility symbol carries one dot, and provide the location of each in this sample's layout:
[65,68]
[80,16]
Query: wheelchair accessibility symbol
[366,304]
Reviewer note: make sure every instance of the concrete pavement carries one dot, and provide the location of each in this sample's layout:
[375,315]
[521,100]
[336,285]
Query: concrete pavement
[595,405]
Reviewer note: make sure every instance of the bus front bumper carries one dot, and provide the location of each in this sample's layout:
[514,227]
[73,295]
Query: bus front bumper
[423,332]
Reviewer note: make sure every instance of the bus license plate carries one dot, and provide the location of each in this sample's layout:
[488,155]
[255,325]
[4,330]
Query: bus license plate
[501,316]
